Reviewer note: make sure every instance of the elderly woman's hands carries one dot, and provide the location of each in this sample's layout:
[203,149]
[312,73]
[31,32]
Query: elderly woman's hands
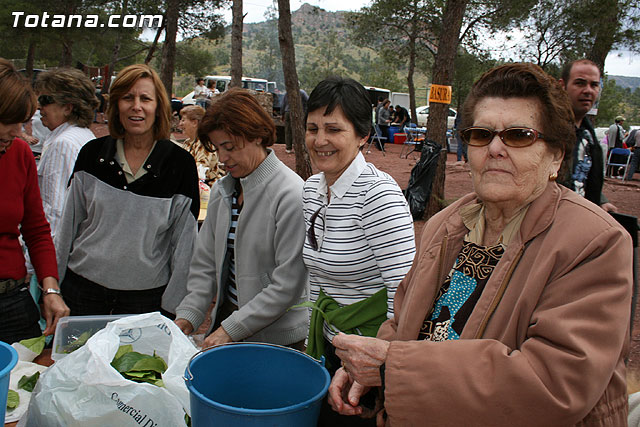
[344,394]
[362,357]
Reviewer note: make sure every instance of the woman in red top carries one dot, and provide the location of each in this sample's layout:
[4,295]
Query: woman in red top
[21,213]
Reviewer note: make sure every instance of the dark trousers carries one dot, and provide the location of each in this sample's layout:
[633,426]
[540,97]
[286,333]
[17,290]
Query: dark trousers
[633,164]
[19,315]
[85,297]
[384,132]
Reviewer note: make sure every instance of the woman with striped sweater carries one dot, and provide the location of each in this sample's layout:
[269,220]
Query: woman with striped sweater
[360,240]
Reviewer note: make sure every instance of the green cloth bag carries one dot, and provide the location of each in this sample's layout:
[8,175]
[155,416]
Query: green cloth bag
[361,318]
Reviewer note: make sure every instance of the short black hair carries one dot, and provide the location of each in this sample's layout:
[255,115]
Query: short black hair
[349,95]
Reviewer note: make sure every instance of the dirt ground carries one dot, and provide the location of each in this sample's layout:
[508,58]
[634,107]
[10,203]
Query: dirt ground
[625,196]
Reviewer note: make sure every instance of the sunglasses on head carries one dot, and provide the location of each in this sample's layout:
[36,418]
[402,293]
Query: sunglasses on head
[511,137]
[311,234]
[44,100]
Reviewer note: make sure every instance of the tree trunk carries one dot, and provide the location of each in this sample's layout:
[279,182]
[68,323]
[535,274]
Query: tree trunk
[31,53]
[609,12]
[154,45]
[287,49]
[236,44]
[168,63]
[66,59]
[443,73]
[67,52]
[412,90]
[115,53]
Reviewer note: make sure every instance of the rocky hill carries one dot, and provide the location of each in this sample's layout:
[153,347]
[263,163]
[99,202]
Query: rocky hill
[626,82]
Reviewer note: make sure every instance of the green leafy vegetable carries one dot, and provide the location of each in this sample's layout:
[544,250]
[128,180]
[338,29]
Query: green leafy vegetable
[75,343]
[122,350]
[13,400]
[34,344]
[28,383]
[138,367]
[314,306]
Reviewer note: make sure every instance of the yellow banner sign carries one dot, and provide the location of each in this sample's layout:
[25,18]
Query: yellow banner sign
[440,93]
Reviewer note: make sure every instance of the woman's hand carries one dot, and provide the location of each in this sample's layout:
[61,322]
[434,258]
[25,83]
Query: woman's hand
[54,307]
[220,336]
[344,394]
[185,326]
[362,357]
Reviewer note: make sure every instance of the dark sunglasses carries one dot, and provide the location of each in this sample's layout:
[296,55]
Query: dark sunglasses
[44,100]
[311,234]
[511,137]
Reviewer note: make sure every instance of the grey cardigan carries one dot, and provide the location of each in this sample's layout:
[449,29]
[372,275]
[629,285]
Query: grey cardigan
[270,273]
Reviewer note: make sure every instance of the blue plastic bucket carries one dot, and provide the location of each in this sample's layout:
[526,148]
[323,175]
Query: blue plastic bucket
[8,359]
[251,384]
[392,131]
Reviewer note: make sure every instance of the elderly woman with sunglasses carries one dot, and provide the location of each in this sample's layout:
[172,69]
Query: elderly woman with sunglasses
[21,216]
[516,309]
[67,100]
[130,216]
[360,240]
[248,255]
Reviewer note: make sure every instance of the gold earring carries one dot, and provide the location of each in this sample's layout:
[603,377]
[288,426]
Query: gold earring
[553,176]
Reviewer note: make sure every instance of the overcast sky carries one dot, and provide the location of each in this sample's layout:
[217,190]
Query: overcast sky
[617,63]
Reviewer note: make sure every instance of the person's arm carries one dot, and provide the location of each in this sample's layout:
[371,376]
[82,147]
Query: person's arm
[73,213]
[286,285]
[388,228]
[566,338]
[202,283]
[37,236]
[54,307]
[183,231]
[56,166]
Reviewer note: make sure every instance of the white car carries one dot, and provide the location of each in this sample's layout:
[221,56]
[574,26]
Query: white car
[423,115]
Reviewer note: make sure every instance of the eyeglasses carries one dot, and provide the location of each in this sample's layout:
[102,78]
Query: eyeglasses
[511,137]
[44,100]
[311,234]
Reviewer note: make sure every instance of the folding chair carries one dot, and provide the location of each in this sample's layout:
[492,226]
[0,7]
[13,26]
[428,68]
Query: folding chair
[376,138]
[413,143]
[615,160]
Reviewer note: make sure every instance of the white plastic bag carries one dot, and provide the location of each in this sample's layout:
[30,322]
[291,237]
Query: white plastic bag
[83,389]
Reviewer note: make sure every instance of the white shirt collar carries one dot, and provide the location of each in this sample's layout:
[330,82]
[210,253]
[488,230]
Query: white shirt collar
[345,181]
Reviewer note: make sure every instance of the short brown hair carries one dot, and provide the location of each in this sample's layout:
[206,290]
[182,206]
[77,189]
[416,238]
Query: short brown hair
[566,70]
[193,112]
[18,99]
[239,114]
[71,86]
[525,80]
[127,78]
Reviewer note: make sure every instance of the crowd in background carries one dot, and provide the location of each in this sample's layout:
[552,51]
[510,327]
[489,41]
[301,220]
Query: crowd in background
[507,298]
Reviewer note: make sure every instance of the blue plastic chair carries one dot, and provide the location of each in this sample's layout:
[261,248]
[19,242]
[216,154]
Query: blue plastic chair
[615,161]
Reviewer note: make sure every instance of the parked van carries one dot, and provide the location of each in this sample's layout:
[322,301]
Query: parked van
[222,84]
[375,92]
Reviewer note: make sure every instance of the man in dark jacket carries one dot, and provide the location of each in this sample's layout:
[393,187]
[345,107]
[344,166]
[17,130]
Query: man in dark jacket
[583,169]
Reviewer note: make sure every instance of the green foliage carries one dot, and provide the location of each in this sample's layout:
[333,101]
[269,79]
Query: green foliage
[616,101]
[192,60]
[13,400]
[28,383]
[35,344]
[138,367]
